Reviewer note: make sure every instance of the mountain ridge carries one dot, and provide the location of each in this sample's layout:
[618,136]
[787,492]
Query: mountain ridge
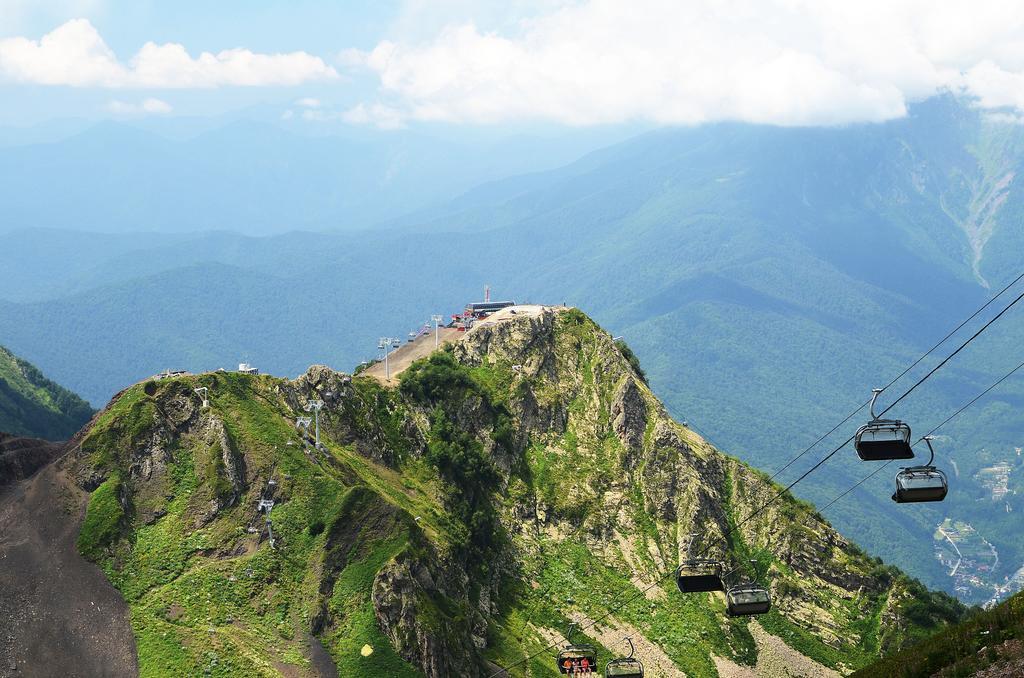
[434,528]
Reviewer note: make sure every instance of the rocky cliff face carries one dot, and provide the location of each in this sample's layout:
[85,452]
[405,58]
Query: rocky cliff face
[523,478]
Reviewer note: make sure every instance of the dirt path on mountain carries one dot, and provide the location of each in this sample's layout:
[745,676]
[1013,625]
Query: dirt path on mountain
[775,659]
[60,616]
[408,352]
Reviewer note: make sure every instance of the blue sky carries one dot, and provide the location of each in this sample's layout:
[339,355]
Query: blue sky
[554,62]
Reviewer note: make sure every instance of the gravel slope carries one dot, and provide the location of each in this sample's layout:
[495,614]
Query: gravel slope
[61,617]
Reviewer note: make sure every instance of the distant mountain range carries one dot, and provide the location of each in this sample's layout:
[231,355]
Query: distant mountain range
[32,405]
[251,176]
[766,277]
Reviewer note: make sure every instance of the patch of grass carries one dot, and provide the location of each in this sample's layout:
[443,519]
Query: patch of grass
[104,519]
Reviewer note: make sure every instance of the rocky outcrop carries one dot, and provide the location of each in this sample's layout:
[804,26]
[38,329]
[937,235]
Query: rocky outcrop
[629,417]
[404,594]
[528,342]
[21,457]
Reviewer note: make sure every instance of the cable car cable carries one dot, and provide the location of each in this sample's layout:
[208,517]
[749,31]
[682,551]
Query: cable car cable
[862,480]
[891,405]
[900,375]
[945,421]
[779,494]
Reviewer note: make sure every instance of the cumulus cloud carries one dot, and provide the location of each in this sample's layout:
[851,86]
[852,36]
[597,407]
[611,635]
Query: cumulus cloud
[75,54]
[147,106]
[786,62]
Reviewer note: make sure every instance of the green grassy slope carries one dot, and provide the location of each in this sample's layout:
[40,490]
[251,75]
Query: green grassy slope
[456,522]
[32,405]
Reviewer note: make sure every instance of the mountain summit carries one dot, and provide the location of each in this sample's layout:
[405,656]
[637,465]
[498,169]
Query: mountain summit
[456,520]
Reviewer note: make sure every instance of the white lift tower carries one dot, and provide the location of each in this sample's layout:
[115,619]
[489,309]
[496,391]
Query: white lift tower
[386,344]
[437,324]
[315,406]
[203,392]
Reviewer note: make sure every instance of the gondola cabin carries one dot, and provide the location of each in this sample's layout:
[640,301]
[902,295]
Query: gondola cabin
[625,667]
[883,439]
[920,484]
[697,576]
[578,659]
[747,600]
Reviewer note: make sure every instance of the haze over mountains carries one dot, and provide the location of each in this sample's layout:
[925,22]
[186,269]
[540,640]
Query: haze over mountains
[767,277]
[252,173]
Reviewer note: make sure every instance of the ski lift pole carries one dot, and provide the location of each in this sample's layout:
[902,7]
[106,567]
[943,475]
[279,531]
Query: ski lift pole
[437,324]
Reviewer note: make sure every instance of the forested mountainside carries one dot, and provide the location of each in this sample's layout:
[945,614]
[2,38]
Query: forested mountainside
[456,520]
[989,644]
[32,405]
[767,278]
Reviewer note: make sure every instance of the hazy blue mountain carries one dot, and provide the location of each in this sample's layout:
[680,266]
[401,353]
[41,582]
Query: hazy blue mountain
[248,176]
[766,277]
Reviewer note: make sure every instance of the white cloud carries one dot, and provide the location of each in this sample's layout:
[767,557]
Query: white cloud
[75,54]
[787,62]
[147,106]
[308,102]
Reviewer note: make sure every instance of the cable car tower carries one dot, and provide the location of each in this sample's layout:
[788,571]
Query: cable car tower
[315,406]
[386,344]
[437,324]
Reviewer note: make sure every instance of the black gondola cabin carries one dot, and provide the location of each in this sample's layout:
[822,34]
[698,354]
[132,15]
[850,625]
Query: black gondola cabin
[699,575]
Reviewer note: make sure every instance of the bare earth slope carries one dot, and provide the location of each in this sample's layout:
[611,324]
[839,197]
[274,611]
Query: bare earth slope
[21,457]
[61,616]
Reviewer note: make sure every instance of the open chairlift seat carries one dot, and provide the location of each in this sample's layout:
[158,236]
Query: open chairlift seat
[699,575]
[624,667]
[747,600]
[571,659]
[883,439]
[921,483]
